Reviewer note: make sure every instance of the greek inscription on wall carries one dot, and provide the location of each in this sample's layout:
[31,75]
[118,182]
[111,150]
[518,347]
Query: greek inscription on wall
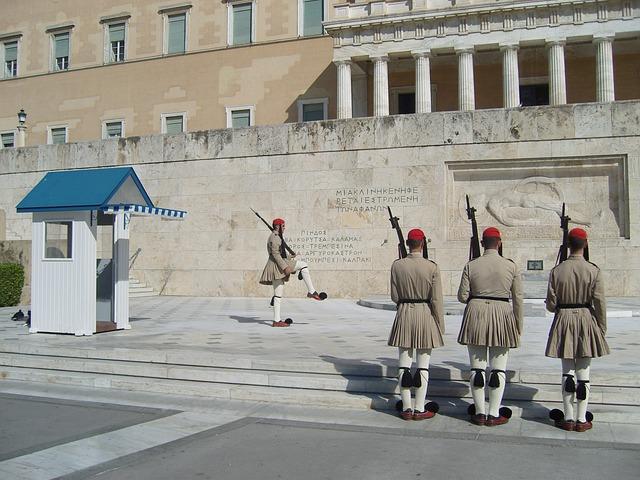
[330,248]
[374,199]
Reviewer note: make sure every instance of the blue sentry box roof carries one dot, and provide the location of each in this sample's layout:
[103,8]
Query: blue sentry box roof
[76,190]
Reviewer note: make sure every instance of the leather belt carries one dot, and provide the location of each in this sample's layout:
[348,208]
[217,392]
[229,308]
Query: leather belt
[564,306]
[412,300]
[484,297]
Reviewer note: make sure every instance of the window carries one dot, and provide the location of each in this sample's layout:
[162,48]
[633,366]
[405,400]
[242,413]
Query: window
[176,33]
[57,239]
[57,135]
[239,117]
[312,109]
[116,42]
[173,123]
[61,51]
[241,23]
[10,59]
[311,13]
[7,140]
[531,95]
[113,128]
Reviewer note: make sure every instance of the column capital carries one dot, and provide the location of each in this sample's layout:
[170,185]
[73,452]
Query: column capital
[421,53]
[550,42]
[604,37]
[344,61]
[509,46]
[464,49]
[379,58]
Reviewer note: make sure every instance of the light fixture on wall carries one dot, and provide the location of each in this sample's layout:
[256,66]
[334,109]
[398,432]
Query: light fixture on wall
[22,117]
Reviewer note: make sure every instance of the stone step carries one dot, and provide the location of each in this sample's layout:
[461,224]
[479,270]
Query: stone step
[438,387]
[140,289]
[448,406]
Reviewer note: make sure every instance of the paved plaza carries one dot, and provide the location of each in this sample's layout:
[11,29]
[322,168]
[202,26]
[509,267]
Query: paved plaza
[66,431]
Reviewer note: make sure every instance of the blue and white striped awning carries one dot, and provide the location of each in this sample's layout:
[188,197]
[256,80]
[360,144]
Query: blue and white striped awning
[144,210]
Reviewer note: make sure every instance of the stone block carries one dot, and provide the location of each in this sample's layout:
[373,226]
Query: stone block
[521,124]
[625,118]
[458,128]
[555,122]
[197,145]
[490,125]
[8,163]
[141,150]
[422,129]
[174,147]
[592,120]
[272,140]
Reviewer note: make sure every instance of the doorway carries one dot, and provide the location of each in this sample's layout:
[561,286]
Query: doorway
[105,281]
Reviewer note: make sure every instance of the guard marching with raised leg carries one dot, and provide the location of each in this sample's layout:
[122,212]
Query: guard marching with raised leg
[576,295]
[278,269]
[416,288]
[490,325]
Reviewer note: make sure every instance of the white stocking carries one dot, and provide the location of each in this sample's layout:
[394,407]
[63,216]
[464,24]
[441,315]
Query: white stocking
[278,290]
[582,373]
[306,276]
[423,368]
[568,368]
[404,361]
[498,361]
[477,359]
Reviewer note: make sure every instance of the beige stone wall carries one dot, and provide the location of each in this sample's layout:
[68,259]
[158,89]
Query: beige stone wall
[332,180]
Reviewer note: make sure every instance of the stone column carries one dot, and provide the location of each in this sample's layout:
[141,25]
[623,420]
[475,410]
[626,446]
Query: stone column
[605,91]
[344,107]
[380,86]
[466,91]
[557,77]
[510,76]
[21,137]
[423,81]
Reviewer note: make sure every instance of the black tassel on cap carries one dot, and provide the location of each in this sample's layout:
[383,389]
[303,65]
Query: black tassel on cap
[581,391]
[569,384]
[478,379]
[407,380]
[494,381]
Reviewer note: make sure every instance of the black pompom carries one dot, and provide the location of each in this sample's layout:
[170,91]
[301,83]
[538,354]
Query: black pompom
[556,415]
[399,405]
[288,321]
[581,391]
[272,299]
[300,275]
[471,409]
[431,407]
[589,417]
[505,412]
[417,379]
[478,379]
[323,296]
[494,380]
[407,380]
[569,384]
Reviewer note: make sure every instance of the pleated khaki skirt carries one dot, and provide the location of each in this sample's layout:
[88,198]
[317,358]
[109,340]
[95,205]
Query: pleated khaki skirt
[489,323]
[575,334]
[271,271]
[415,327]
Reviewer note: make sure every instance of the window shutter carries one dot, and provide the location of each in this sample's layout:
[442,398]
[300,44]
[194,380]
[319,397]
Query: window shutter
[313,13]
[62,45]
[174,124]
[58,135]
[114,129]
[7,140]
[116,32]
[241,118]
[242,24]
[10,51]
[312,111]
[176,39]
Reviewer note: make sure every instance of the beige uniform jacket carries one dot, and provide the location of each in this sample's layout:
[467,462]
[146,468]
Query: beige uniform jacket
[491,322]
[579,331]
[274,269]
[417,325]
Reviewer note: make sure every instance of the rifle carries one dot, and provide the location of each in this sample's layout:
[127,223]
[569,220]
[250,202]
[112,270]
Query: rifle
[402,249]
[563,252]
[284,244]
[474,245]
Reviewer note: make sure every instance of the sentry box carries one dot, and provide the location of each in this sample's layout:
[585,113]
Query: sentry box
[80,248]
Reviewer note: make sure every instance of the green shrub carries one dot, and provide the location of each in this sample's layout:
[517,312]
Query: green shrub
[11,281]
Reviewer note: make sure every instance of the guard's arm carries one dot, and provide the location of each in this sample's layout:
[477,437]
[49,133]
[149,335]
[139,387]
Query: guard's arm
[437,301]
[516,298]
[599,303]
[464,289]
[394,285]
[274,251]
[552,299]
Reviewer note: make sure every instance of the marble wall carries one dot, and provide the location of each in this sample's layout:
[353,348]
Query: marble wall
[333,180]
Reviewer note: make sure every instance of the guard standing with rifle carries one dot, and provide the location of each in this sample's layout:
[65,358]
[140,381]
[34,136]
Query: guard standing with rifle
[490,325]
[416,289]
[576,295]
[280,265]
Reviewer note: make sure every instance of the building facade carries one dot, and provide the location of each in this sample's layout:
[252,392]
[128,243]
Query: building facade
[110,68]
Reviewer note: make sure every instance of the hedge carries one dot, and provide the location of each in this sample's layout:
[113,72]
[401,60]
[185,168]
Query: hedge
[11,281]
